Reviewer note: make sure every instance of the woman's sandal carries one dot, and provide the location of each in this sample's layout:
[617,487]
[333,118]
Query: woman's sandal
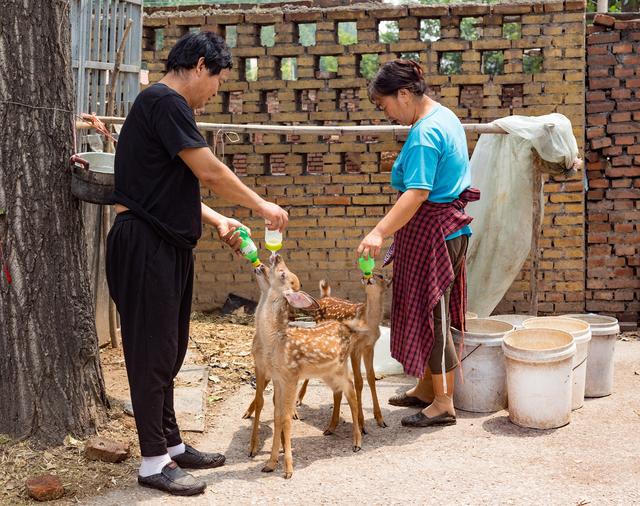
[422,420]
[407,401]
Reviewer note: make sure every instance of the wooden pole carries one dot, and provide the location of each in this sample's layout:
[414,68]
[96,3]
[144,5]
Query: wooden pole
[106,210]
[536,230]
[311,130]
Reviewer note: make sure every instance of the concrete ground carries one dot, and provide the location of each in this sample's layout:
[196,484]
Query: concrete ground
[484,459]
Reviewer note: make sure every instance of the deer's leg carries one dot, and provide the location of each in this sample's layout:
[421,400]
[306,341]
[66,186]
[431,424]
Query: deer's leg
[346,385]
[289,401]
[357,378]
[258,403]
[335,415]
[371,379]
[272,463]
[252,406]
[303,391]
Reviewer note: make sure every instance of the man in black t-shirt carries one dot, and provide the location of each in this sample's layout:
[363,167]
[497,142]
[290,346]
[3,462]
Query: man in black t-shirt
[161,161]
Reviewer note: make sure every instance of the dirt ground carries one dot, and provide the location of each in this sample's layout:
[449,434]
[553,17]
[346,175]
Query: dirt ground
[223,342]
[484,459]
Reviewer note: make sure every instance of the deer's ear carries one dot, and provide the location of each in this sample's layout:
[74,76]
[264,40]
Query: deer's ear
[301,300]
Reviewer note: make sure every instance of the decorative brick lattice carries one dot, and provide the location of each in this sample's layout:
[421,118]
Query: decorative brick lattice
[332,208]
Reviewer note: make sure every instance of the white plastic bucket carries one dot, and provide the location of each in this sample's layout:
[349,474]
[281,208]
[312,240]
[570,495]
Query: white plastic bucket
[581,332]
[514,319]
[484,389]
[538,364]
[604,332]
[383,363]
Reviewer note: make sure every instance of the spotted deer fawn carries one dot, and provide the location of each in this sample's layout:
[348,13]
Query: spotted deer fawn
[263,343]
[332,308]
[319,352]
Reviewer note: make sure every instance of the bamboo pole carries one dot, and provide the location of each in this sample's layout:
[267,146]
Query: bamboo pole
[310,130]
[106,210]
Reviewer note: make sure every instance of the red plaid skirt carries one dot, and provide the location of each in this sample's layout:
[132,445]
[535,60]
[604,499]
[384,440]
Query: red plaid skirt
[422,271]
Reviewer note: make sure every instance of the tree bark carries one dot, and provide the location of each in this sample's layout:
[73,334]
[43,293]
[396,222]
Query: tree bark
[51,381]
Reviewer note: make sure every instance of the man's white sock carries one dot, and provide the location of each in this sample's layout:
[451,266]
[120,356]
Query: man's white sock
[153,465]
[176,450]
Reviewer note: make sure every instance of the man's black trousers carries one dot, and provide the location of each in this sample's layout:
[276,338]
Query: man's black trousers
[151,283]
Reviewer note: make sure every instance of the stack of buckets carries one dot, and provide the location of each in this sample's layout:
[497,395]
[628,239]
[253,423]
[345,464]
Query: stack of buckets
[541,368]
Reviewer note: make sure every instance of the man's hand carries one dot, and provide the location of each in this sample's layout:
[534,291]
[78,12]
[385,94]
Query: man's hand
[371,244]
[274,214]
[228,232]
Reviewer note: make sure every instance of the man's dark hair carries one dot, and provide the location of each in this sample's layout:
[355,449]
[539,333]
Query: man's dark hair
[397,75]
[192,46]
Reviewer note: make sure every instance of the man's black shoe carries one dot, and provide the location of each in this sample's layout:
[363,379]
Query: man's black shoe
[194,459]
[174,480]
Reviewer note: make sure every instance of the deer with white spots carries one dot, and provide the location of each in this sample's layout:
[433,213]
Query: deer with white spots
[263,343]
[333,308]
[319,352]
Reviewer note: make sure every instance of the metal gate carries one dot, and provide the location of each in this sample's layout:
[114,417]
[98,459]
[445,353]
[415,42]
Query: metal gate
[97,28]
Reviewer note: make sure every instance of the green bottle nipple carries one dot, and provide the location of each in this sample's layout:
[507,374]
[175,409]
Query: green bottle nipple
[366,266]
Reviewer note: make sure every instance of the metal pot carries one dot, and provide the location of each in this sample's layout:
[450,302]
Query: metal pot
[92,177]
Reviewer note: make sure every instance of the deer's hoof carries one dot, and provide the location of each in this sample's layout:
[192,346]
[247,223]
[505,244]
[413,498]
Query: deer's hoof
[295,415]
[288,475]
[328,432]
[268,468]
[357,449]
[382,424]
[363,430]
[246,415]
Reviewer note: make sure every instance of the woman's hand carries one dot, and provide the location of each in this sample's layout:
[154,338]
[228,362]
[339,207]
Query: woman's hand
[371,244]
[227,230]
[274,214]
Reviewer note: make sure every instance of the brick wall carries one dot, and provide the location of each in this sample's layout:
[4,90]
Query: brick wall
[613,167]
[336,188]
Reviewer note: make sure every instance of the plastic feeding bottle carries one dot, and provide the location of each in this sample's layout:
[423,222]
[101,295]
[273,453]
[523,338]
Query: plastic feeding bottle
[366,266]
[272,239]
[248,247]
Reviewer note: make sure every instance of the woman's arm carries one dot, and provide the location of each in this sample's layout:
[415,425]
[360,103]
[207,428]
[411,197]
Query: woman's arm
[399,215]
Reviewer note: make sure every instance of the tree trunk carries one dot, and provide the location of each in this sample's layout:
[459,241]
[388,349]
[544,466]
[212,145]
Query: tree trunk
[51,382]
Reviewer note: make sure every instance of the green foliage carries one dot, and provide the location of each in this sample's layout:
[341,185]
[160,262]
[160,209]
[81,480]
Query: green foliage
[511,31]
[347,33]
[307,34]
[468,28]
[493,62]
[289,69]
[615,5]
[451,63]
[251,69]
[410,56]
[388,32]
[369,65]
[429,29]
[268,36]
[532,61]
[231,35]
[158,43]
[328,64]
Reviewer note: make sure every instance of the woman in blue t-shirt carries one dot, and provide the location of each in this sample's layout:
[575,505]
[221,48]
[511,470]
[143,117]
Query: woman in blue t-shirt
[431,231]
